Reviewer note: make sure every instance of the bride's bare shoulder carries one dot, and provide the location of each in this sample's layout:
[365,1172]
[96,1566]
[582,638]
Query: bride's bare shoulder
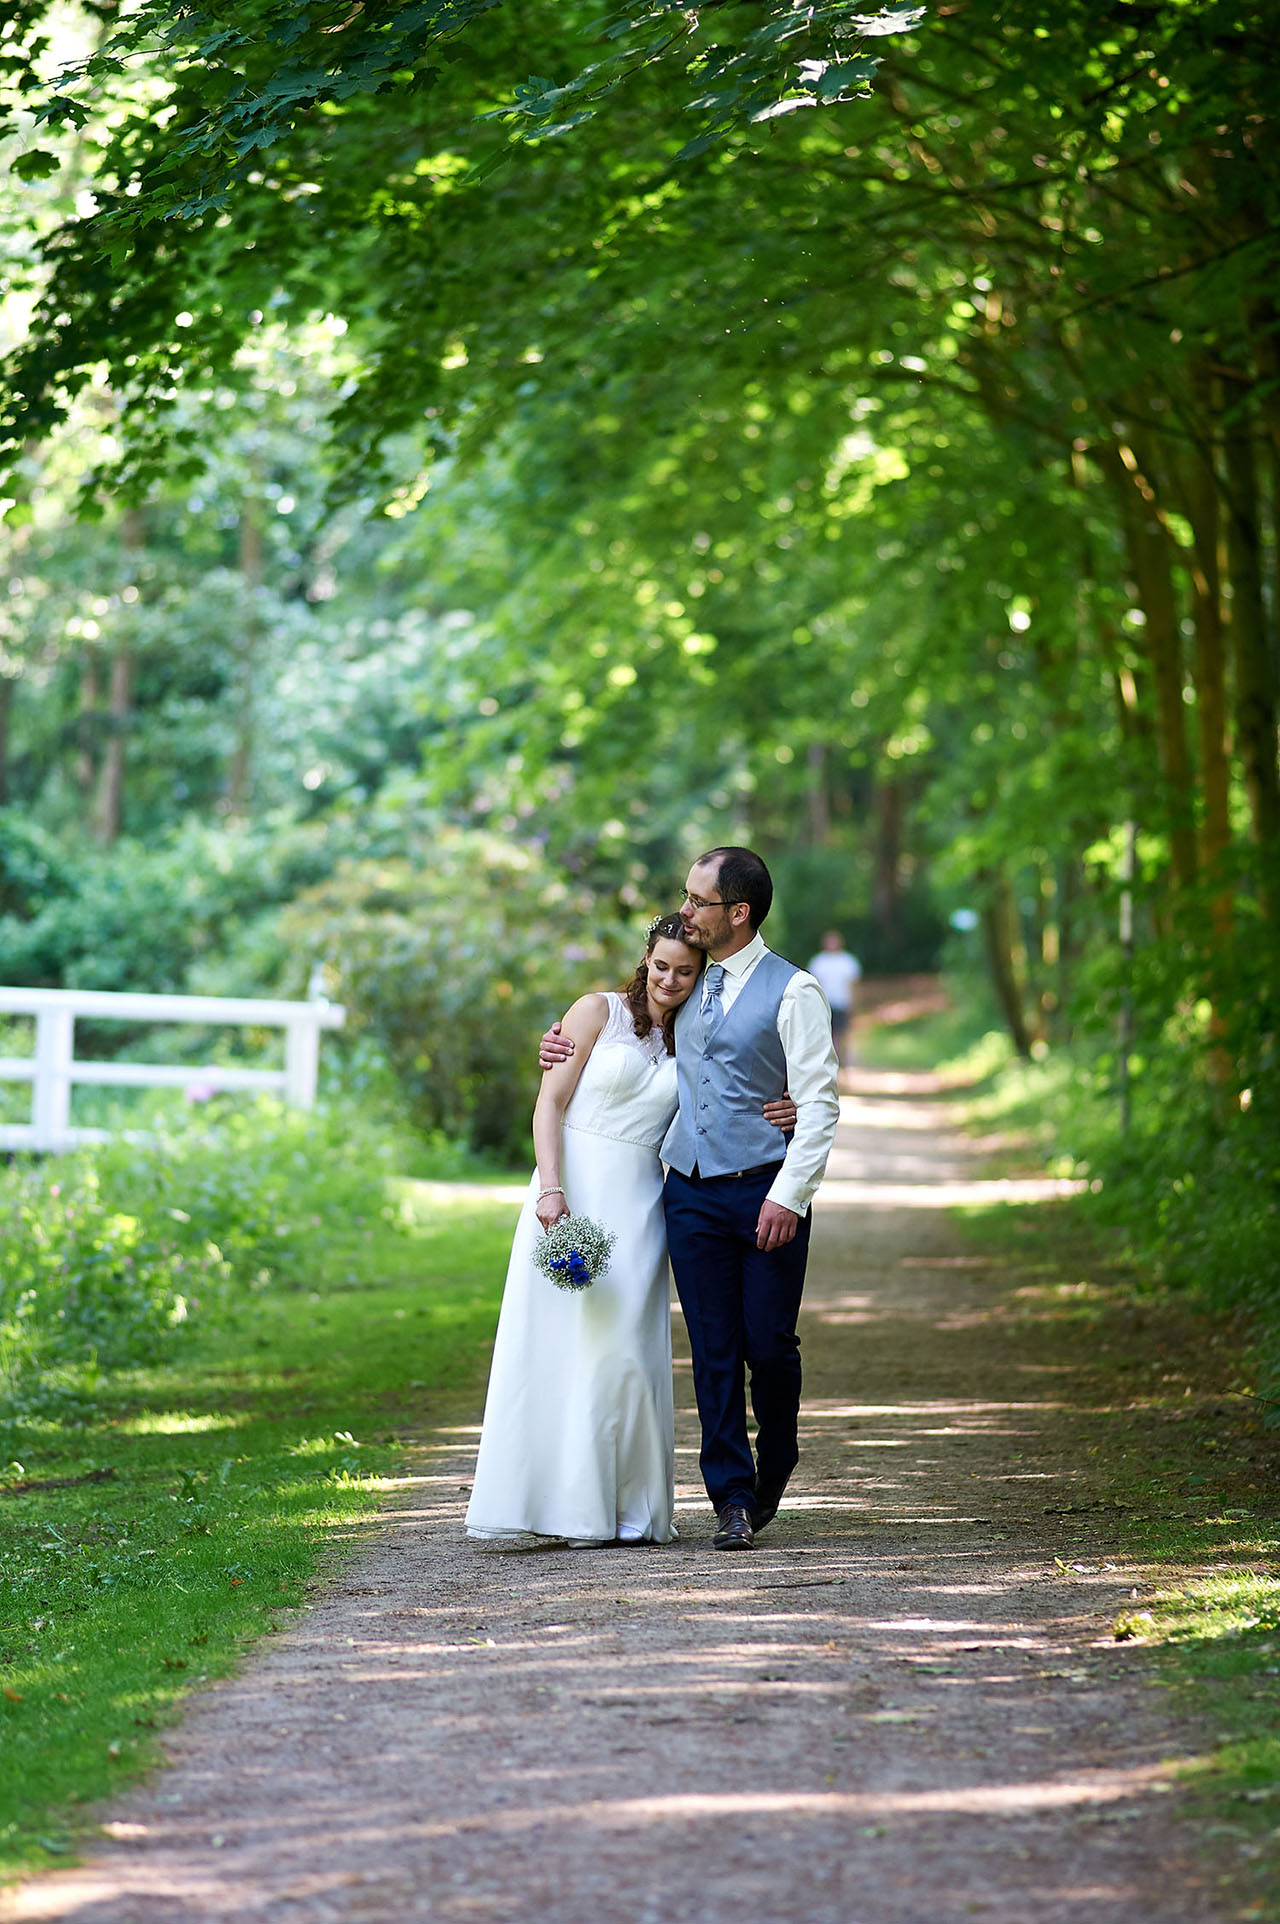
[586,1017]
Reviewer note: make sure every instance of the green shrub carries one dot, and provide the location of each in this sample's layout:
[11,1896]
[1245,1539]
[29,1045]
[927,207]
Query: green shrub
[1191,1182]
[139,919]
[31,871]
[82,1277]
[455,958]
[108,1253]
[267,1185]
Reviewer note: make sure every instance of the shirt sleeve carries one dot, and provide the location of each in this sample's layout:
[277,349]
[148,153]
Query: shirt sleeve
[804,1029]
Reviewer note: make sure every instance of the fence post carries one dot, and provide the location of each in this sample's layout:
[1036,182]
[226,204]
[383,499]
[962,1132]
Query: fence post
[301,1061]
[51,1090]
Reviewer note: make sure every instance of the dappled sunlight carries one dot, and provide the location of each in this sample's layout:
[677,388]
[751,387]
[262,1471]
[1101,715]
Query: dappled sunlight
[182,1422]
[421,1199]
[909,1688]
[984,1263]
[932,1192]
[919,1117]
[900,1154]
[857,1082]
[586,1701]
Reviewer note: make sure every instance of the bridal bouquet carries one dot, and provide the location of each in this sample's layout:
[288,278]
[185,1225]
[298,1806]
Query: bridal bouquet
[573,1252]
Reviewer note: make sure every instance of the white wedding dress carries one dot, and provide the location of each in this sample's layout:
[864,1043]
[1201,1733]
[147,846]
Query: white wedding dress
[578,1440]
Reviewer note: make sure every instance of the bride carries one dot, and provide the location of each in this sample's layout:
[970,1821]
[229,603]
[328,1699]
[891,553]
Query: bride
[578,1441]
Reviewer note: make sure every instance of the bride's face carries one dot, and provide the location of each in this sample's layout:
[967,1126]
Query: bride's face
[673,970]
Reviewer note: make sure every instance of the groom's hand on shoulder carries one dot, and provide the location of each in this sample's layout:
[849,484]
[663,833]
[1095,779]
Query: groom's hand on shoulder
[775,1225]
[554,1047]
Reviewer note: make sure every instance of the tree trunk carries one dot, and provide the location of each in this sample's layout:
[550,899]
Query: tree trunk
[1210,675]
[240,772]
[7,686]
[819,808]
[1148,548]
[886,885]
[108,806]
[999,930]
[1048,946]
[1068,889]
[86,723]
[1210,667]
[1255,682]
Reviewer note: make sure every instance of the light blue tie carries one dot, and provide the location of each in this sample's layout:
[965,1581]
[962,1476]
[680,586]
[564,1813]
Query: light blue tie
[713,1010]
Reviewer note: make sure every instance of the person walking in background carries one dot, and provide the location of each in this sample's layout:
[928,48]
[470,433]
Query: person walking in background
[839,973]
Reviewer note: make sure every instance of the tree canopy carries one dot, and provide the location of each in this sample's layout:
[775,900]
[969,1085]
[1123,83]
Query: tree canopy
[857,428]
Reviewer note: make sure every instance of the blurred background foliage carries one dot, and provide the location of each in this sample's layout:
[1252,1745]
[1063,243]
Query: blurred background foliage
[444,499]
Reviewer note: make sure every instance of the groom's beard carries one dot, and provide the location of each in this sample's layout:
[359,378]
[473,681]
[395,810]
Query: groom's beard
[699,938]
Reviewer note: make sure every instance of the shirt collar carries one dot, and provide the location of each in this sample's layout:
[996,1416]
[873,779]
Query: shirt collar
[741,960]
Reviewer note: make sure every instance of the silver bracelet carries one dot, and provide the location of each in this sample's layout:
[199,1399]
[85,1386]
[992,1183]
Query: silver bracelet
[555,1190]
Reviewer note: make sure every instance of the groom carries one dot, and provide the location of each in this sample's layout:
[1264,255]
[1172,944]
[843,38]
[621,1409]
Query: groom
[737,1216]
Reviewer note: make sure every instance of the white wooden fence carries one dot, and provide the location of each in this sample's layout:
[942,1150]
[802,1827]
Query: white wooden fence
[53,1070]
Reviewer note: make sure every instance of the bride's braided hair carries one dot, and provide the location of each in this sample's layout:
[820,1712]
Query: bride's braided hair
[663,928]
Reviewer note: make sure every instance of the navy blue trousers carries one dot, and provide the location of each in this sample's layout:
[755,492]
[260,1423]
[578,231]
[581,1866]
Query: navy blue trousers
[740,1307]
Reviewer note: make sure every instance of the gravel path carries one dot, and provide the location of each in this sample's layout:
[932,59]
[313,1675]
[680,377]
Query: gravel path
[904,1708]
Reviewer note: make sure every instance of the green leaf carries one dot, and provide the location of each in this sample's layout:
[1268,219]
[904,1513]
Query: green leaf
[845,76]
[60,108]
[36,164]
[700,144]
[891,20]
[789,106]
[561,126]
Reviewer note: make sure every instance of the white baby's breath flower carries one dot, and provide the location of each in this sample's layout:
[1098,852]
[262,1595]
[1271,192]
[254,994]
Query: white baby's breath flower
[573,1252]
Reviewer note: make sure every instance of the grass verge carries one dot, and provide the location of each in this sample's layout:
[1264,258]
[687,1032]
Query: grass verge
[156,1522]
[1181,1482]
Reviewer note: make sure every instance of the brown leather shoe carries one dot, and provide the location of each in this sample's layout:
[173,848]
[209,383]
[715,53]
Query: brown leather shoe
[735,1532]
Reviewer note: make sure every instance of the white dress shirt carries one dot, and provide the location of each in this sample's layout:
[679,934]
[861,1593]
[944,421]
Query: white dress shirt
[838,973]
[804,1030]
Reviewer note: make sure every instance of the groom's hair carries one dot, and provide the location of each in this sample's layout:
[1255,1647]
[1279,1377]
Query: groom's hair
[742,877]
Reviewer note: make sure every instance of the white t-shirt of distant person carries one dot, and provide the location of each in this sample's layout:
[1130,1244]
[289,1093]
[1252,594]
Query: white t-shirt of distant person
[839,973]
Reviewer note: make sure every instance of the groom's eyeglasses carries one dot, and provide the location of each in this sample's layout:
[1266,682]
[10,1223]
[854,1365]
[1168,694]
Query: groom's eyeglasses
[696,902]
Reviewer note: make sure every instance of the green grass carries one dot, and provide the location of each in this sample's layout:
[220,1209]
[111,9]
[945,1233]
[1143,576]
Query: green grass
[222,1479]
[927,1042]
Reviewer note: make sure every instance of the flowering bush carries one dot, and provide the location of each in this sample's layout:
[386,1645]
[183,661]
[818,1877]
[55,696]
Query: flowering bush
[453,958]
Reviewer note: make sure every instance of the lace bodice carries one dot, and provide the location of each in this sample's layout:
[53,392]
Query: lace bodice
[627,1091]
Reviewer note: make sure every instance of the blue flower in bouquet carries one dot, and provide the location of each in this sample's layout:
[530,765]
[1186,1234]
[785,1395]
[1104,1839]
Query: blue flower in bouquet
[573,1252]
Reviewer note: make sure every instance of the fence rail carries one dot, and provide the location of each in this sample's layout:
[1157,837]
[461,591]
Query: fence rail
[53,1070]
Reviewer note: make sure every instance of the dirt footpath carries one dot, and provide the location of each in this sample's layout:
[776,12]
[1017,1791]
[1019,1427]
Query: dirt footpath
[904,1708]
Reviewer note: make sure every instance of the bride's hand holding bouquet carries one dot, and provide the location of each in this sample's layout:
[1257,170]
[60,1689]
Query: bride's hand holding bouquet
[551,1206]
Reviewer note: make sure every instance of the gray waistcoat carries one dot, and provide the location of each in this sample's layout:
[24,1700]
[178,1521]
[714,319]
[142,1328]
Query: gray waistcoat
[723,1083]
